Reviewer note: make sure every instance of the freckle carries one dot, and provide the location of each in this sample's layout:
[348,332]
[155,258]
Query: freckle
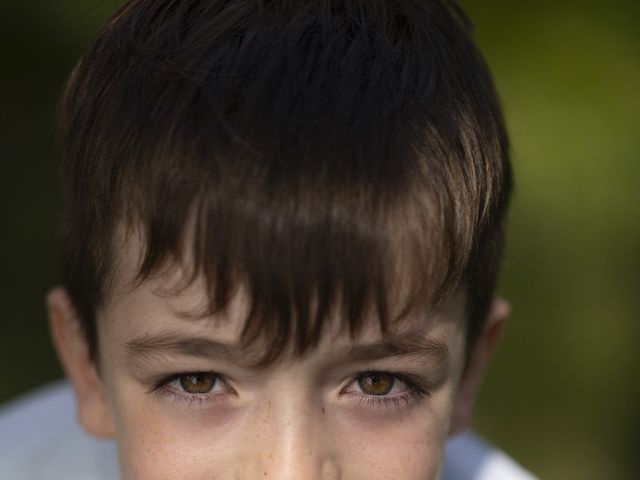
[265,474]
[322,409]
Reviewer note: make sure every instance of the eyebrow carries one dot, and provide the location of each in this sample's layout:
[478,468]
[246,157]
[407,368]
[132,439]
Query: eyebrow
[413,343]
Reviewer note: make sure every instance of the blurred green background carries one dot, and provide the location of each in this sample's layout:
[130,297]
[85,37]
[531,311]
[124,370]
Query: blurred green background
[563,394]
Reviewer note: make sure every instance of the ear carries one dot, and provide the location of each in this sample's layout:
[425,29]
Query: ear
[479,359]
[68,338]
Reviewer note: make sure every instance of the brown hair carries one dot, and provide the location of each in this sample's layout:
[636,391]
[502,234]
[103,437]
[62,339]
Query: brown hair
[326,155]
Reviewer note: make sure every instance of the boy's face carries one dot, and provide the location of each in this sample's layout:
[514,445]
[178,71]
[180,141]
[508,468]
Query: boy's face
[183,402]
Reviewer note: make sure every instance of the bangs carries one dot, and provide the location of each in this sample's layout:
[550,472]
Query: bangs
[305,252]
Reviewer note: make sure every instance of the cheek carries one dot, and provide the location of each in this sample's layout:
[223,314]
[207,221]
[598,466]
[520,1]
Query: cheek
[148,448]
[406,457]
[219,443]
[370,449]
[406,448]
[153,443]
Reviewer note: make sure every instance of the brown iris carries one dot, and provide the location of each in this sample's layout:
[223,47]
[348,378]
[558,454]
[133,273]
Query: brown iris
[376,383]
[198,382]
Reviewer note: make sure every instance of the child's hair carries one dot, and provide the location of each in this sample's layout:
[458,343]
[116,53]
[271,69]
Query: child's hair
[329,157]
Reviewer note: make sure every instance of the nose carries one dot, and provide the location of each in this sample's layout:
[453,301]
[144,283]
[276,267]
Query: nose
[292,442]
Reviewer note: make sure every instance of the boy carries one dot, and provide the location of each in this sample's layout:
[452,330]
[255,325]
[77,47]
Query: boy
[282,229]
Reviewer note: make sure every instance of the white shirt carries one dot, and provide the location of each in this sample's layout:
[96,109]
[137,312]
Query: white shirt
[40,440]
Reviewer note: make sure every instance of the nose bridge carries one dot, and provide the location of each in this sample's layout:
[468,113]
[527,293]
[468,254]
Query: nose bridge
[292,439]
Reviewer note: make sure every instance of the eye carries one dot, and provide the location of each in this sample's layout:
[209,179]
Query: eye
[194,387]
[383,390]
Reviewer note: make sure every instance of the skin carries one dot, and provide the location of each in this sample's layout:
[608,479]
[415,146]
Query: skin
[300,418]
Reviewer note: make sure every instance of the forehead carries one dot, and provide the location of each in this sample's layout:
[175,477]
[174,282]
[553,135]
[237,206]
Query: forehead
[166,302]
[163,321]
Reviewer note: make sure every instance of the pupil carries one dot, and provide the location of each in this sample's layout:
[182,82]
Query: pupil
[376,383]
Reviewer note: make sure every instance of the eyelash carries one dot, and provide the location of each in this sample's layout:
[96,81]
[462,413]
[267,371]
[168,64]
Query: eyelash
[417,389]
